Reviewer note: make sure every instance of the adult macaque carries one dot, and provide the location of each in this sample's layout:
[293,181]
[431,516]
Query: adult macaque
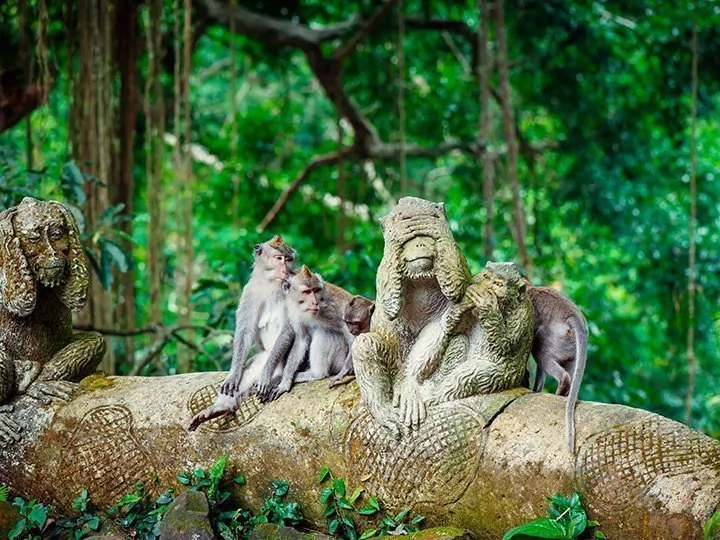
[314,327]
[260,315]
[259,319]
[559,348]
[357,316]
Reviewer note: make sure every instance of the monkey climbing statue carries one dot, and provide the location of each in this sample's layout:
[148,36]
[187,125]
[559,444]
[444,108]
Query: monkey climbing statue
[43,278]
[437,334]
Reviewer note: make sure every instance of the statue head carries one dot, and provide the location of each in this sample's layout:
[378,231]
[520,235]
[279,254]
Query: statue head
[40,246]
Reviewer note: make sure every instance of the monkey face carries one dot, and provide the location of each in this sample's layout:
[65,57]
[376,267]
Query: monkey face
[278,265]
[418,255]
[44,239]
[306,290]
[358,314]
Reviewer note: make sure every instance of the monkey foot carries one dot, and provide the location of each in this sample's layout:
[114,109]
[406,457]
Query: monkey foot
[337,380]
[46,390]
[206,415]
[9,429]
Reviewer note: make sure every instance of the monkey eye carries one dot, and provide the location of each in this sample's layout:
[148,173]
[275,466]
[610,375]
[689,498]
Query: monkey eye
[279,257]
[306,291]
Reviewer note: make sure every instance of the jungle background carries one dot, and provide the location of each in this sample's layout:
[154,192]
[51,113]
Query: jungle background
[578,139]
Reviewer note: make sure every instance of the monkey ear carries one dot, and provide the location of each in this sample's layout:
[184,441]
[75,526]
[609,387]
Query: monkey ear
[305,271]
[18,290]
[352,301]
[257,250]
[74,293]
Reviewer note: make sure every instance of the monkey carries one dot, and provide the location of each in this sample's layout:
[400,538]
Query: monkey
[315,326]
[357,316]
[260,314]
[559,348]
[259,320]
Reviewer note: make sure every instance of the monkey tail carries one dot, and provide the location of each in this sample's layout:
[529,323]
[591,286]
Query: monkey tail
[579,327]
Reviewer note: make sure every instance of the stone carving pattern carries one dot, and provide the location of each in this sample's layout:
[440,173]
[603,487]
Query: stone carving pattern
[43,278]
[246,410]
[434,464]
[617,467]
[105,456]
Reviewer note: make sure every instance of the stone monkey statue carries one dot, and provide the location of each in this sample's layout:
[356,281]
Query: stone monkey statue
[43,279]
[559,348]
[314,327]
[437,335]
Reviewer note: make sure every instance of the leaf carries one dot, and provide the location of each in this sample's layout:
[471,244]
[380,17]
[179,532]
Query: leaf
[199,473]
[280,488]
[94,523]
[105,274]
[417,519]
[130,498]
[333,526]
[325,494]
[117,254]
[38,515]
[165,498]
[388,522]
[374,502]
[184,478]
[601,536]
[330,511]
[356,494]
[368,534]
[218,468]
[368,511]
[111,211]
[18,529]
[339,486]
[712,527]
[20,503]
[239,479]
[4,493]
[541,528]
[345,504]
[404,512]
[322,474]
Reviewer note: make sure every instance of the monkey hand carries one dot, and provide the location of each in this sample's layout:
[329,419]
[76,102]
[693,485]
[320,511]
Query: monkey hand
[278,391]
[44,391]
[418,226]
[263,390]
[340,378]
[231,385]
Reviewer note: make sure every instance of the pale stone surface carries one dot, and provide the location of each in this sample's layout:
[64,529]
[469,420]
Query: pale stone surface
[484,463]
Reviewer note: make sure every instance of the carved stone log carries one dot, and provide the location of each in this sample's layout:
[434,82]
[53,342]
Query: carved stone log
[484,463]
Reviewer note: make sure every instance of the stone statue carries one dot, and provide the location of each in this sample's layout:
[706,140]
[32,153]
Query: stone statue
[43,278]
[438,334]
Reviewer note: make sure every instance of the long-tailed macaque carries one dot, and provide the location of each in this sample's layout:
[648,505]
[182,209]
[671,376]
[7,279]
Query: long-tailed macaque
[559,348]
[315,327]
[259,319]
[260,315]
[357,316]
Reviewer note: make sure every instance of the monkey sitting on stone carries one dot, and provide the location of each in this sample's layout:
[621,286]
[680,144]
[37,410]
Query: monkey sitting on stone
[259,319]
[314,326]
[559,348]
[357,316]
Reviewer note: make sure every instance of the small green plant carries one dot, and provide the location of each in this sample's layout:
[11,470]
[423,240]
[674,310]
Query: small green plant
[276,510]
[339,510]
[567,520]
[4,493]
[33,522]
[138,513]
[86,522]
[229,522]
[712,527]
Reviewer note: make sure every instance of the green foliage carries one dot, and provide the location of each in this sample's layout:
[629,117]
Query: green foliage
[567,520]
[33,521]
[712,527]
[340,509]
[87,520]
[276,510]
[4,493]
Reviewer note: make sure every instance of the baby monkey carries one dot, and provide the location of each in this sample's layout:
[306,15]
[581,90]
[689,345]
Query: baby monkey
[559,348]
[357,316]
[315,327]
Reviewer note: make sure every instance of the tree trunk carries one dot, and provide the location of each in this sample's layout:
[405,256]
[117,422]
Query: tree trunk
[127,55]
[510,136]
[485,463]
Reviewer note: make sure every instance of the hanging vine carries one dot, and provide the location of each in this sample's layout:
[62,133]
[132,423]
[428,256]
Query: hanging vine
[484,72]
[154,114]
[692,361]
[401,96]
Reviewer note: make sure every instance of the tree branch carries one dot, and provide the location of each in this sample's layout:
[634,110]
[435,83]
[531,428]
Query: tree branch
[276,31]
[341,53]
